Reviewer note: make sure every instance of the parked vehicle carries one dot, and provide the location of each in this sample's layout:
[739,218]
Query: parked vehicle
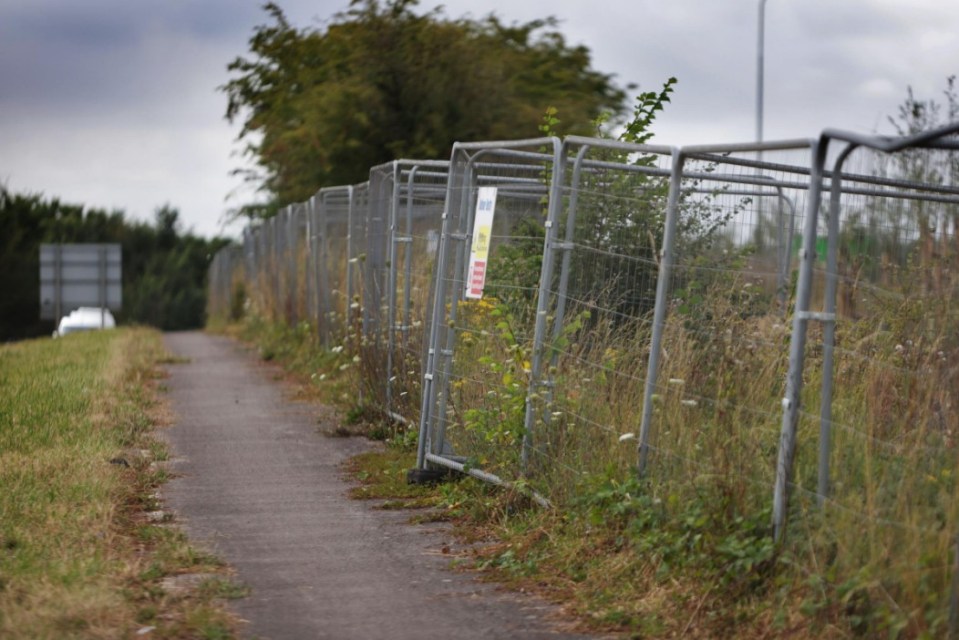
[85,319]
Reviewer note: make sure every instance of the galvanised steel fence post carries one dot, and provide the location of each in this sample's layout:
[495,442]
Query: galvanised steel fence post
[555,200]
[801,317]
[283,241]
[393,239]
[659,314]
[274,263]
[566,246]
[293,236]
[460,238]
[436,324]
[829,328]
[326,310]
[311,266]
[376,250]
[351,258]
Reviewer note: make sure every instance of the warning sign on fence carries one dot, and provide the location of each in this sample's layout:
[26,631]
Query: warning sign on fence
[479,250]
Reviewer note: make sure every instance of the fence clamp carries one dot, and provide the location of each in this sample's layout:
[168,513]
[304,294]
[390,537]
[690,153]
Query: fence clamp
[817,315]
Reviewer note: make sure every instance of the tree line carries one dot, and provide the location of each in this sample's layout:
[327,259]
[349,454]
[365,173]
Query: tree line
[381,81]
[164,268]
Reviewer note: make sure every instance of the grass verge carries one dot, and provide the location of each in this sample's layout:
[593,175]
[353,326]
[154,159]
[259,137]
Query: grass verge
[85,550]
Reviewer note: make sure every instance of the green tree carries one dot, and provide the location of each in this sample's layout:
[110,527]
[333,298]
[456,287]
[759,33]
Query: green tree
[320,106]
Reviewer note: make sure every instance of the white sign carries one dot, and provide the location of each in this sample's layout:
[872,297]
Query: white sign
[479,250]
[79,275]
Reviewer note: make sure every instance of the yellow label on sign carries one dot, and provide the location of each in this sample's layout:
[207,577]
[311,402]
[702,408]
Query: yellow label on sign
[479,249]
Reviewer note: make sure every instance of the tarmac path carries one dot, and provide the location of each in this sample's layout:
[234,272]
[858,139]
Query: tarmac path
[257,484]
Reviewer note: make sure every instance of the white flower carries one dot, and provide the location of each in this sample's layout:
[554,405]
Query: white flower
[627,436]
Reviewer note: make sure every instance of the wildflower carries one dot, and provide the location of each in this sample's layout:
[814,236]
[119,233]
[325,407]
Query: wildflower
[627,436]
[337,349]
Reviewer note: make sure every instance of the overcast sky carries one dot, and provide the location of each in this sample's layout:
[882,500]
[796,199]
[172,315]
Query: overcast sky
[113,103]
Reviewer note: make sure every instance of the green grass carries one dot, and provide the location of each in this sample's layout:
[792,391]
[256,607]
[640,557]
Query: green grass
[382,475]
[76,558]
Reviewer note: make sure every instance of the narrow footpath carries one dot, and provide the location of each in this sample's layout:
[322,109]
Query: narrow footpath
[260,486]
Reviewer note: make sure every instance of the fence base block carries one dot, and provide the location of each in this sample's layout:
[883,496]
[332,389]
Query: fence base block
[429,476]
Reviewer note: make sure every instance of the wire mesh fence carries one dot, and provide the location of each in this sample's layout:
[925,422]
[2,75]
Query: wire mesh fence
[405,217]
[750,323]
[869,409]
[484,306]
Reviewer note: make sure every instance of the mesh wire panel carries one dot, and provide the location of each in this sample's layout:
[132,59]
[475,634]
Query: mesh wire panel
[418,198]
[335,295]
[714,410]
[480,347]
[404,217]
[876,436]
[591,363]
[357,314]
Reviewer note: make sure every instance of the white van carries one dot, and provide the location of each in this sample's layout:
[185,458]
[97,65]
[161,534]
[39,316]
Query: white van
[85,319]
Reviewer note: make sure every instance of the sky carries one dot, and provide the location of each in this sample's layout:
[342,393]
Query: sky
[114,104]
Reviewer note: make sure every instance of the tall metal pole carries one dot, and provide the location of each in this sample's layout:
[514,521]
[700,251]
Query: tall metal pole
[760,54]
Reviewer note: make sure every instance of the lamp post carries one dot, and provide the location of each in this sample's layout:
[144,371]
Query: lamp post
[759,71]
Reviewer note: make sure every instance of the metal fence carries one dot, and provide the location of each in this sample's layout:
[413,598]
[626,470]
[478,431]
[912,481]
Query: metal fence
[548,310]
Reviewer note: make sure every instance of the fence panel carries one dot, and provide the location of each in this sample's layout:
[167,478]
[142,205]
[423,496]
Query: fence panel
[484,307]
[406,216]
[870,416]
[712,398]
[333,207]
